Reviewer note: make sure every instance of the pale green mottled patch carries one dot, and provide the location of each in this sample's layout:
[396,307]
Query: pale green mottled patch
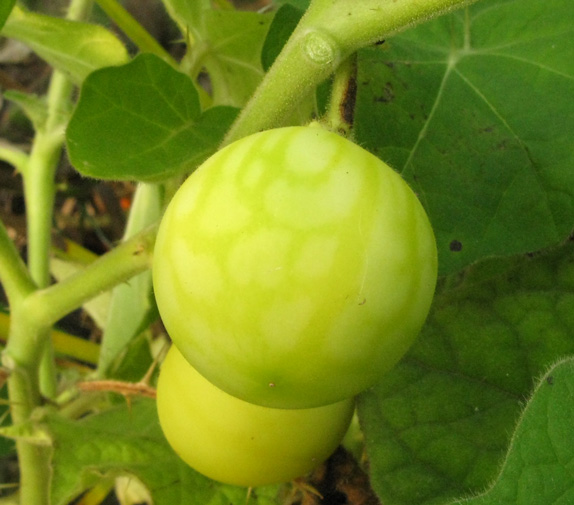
[253,174]
[223,211]
[307,160]
[295,314]
[259,258]
[303,205]
[316,257]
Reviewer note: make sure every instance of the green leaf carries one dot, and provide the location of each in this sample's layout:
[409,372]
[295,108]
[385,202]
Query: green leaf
[5,9]
[33,106]
[186,14]
[226,43]
[128,441]
[538,468]
[282,26]
[70,46]
[142,121]
[475,110]
[6,445]
[231,47]
[438,426]
[132,306]
[30,431]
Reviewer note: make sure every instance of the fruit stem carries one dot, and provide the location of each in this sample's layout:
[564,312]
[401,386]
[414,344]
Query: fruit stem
[341,109]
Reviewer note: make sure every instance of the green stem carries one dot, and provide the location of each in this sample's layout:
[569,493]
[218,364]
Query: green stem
[134,30]
[39,191]
[28,353]
[328,33]
[341,109]
[31,318]
[24,394]
[39,187]
[64,344]
[47,306]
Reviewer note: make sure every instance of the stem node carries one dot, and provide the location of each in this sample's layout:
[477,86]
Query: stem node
[320,48]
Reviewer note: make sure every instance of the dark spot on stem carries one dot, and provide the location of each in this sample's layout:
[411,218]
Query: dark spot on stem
[347,107]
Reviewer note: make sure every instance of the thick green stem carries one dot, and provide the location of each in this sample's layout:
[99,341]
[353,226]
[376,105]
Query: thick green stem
[328,33]
[40,170]
[119,265]
[31,317]
[39,191]
[24,394]
[41,308]
[28,354]
[39,187]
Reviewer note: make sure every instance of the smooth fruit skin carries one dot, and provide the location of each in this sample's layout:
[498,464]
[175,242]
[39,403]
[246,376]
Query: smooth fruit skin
[239,443]
[294,268]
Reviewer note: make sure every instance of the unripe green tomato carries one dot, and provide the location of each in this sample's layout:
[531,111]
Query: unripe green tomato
[239,443]
[294,268]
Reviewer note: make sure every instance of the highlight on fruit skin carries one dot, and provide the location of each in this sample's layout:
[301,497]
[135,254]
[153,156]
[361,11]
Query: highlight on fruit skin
[294,268]
[235,442]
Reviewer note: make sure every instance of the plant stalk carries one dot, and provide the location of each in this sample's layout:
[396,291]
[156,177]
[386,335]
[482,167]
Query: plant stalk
[31,317]
[28,353]
[328,33]
[116,266]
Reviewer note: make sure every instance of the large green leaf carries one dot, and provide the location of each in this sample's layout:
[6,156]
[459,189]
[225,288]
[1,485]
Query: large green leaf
[70,46]
[538,468]
[142,121]
[439,424]
[476,110]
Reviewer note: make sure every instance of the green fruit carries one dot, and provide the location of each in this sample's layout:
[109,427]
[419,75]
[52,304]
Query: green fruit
[294,268]
[239,443]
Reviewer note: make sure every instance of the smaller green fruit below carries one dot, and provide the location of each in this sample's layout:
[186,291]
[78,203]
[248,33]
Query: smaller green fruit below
[239,443]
